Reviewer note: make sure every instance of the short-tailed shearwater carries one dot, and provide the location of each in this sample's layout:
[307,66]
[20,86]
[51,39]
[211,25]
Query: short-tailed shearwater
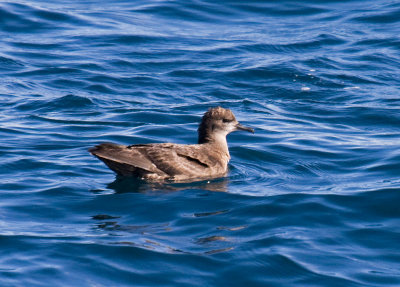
[176,162]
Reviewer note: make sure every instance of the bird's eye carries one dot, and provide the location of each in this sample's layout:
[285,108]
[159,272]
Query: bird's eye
[226,120]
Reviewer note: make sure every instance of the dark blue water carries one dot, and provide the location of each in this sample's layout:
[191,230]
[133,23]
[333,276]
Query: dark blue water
[312,199]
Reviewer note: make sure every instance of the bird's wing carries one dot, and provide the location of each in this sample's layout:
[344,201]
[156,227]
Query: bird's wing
[199,155]
[175,159]
[123,154]
[167,160]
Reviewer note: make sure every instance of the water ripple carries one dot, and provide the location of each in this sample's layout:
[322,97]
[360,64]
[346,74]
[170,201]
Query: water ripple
[310,198]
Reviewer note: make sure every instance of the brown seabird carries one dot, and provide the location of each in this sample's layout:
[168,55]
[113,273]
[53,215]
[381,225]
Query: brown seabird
[176,162]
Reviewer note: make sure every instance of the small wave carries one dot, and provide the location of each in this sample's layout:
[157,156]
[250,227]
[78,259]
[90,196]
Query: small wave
[7,63]
[20,18]
[379,17]
[61,103]
[16,22]
[47,71]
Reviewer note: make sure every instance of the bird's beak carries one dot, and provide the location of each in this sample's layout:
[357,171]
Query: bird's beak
[243,128]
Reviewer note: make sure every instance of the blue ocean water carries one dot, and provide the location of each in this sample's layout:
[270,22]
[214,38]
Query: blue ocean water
[311,199]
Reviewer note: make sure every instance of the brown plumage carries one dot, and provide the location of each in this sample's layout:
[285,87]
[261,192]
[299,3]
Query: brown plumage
[176,162]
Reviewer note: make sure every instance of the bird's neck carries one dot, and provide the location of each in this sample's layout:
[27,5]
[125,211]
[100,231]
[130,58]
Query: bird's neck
[218,140]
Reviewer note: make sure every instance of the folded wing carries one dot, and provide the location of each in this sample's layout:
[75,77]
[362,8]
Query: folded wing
[158,161]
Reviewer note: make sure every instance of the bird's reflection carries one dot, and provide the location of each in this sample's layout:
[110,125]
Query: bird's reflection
[130,184]
[157,236]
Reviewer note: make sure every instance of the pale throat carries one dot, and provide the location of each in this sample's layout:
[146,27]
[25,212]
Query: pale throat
[219,138]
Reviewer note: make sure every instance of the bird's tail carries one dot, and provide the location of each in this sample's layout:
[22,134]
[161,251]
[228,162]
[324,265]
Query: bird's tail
[113,156]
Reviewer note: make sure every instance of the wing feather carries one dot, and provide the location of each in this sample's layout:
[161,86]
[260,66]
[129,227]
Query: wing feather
[124,155]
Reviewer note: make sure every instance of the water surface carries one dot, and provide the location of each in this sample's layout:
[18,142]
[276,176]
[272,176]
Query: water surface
[311,198]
